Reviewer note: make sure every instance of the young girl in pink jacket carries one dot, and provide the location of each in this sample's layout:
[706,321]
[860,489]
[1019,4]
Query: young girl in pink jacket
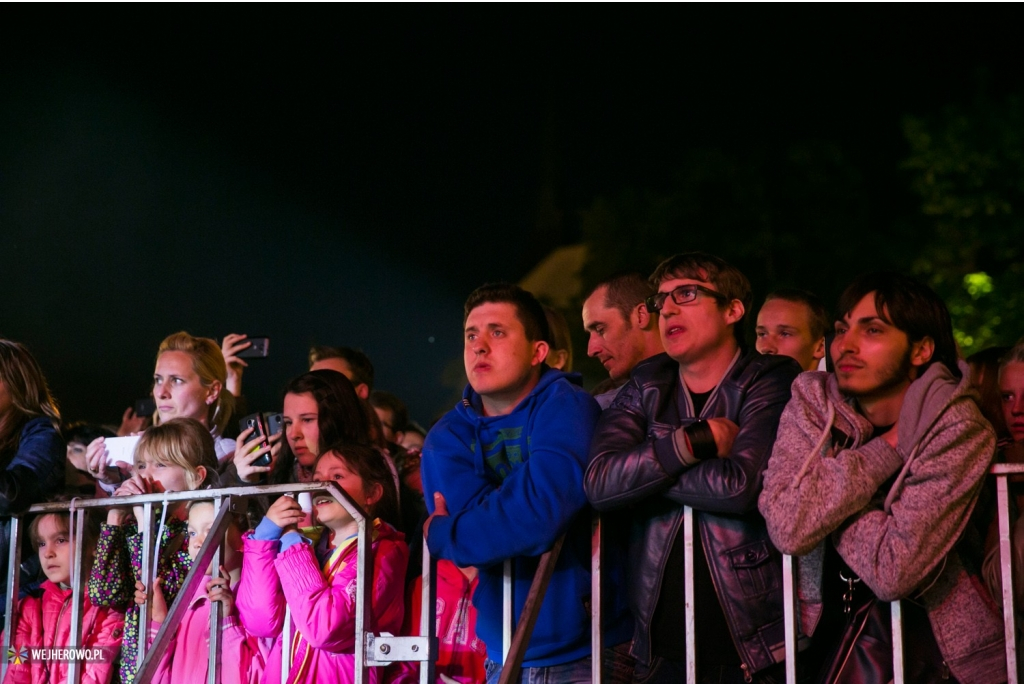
[44,620]
[317,579]
[187,658]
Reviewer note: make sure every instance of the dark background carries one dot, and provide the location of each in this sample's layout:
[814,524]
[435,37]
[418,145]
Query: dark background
[346,175]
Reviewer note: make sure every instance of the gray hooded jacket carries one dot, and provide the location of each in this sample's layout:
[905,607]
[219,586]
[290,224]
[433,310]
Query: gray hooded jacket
[899,541]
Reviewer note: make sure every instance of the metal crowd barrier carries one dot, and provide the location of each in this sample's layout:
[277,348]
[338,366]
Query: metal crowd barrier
[516,639]
[1002,472]
[371,649]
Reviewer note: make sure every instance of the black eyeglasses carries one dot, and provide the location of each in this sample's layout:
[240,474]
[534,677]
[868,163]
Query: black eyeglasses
[684,294]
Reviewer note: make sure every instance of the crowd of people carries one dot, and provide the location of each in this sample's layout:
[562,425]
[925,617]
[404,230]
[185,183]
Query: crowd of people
[860,443]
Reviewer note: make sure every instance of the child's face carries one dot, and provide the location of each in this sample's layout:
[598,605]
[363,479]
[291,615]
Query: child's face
[55,549]
[328,510]
[164,476]
[200,520]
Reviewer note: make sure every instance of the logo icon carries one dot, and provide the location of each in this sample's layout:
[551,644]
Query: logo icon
[16,657]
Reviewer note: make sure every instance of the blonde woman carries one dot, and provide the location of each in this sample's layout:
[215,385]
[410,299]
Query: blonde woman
[188,382]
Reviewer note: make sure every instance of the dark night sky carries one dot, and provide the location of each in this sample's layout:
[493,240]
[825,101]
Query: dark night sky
[346,175]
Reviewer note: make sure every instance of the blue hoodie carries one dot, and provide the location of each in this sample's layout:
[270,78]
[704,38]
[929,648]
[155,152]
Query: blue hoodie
[513,484]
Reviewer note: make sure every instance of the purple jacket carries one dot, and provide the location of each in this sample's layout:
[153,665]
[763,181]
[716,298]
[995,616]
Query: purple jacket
[322,606]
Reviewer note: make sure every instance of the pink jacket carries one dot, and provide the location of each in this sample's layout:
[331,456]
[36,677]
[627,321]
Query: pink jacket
[46,622]
[322,610]
[187,657]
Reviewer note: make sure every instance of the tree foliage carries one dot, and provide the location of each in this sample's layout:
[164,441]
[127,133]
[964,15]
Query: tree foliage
[967,166]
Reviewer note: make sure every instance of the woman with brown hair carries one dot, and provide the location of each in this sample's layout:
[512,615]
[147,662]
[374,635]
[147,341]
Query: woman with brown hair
[31,450]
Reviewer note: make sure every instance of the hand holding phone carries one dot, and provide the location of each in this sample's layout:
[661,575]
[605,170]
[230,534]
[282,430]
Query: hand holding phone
[258,348]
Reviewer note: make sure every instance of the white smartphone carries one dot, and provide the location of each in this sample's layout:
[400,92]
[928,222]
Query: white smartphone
[121,449]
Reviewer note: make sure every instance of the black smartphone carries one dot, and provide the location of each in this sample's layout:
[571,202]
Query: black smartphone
[274,423]
[145,407]
[260,348]
[259,426]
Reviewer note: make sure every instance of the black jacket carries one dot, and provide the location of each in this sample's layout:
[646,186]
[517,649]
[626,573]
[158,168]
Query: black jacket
[635,464]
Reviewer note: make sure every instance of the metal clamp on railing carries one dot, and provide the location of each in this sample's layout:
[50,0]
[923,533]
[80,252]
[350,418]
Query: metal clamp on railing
[210,553]
[383,649]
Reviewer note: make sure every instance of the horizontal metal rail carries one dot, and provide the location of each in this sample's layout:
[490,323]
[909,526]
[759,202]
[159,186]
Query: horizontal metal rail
[210,552]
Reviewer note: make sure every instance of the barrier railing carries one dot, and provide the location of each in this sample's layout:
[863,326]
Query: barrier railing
[1002,472]
[422,648]
[515,642]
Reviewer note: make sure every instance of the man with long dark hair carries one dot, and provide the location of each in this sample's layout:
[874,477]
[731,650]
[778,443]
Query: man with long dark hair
[887,455]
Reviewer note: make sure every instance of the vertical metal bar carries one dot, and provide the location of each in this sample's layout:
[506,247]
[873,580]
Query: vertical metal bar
[428,616]
[897,643]
[13,582]
[596,638]
[1006,566]
[213,657]
[286,645]
[148,574]
[76,639]
[691,624]
[507,611]
[789,616]
[364,597]
[511,669]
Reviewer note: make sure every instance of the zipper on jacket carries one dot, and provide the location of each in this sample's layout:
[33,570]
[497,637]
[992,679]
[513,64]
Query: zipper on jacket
[746,673]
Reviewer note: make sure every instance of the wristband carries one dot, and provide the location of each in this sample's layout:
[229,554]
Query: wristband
[702,440]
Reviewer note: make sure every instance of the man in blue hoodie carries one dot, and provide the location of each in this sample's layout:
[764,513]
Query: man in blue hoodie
[505,470]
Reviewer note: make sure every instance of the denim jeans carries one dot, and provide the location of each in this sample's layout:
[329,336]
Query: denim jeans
[616,663]
[662,670]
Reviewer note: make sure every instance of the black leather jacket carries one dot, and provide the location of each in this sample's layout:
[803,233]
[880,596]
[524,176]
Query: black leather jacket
[634,463]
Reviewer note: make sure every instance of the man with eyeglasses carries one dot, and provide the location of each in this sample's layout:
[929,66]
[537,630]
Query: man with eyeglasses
[695,427]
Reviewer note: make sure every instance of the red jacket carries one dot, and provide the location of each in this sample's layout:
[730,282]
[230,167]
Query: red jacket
[461,654]
[45,622]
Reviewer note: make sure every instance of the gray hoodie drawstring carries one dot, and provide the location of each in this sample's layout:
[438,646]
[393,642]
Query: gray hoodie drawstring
[825,433]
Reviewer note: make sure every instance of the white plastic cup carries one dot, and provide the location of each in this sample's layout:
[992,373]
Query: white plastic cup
[305,500]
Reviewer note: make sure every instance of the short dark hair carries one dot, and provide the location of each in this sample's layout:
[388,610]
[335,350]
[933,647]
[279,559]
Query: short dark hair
[624,291]
[528,310]
[701,266]
[819,315]
[362,367]
[399,413]
[84,433]
[910,306]
[1014,354]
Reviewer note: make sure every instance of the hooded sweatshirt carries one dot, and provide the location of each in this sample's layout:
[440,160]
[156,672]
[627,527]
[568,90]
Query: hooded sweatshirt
[513,485]
[828,475]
